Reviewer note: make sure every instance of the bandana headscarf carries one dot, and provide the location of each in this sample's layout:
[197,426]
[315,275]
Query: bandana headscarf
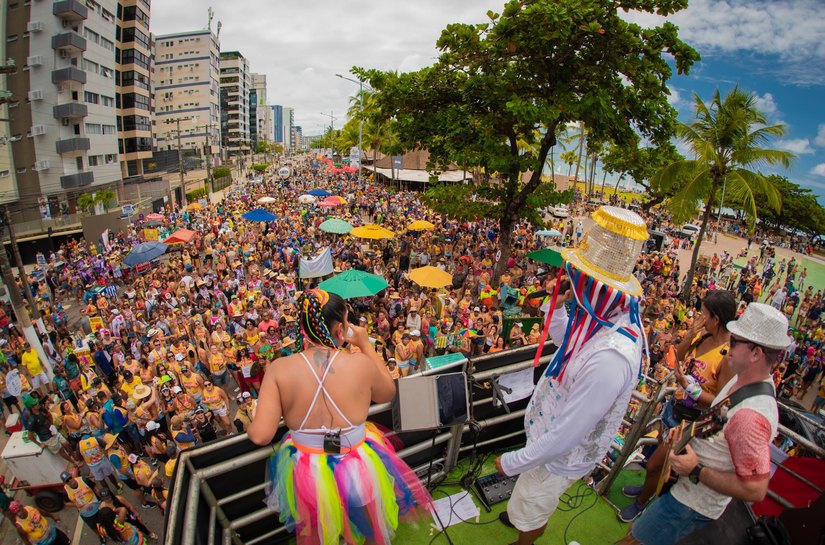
[596,304]
[312,328]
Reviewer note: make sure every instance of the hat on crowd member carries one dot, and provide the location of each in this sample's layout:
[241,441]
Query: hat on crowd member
[415,333]
[176,390]
[109,439]
[288,341]
[133,458]
[152,332]
[15,506]
[609,250]
[477,309]
[164,379]
[180,357]
[152,426]
[763,325]
[65,477]
[246,395]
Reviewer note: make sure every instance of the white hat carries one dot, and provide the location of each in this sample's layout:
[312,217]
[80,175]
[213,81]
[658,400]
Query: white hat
[246,395]
[415,333]
[763,325]
[180,357]
[152,425]
[609,250]
[133,458]
[477,309]
[176,390]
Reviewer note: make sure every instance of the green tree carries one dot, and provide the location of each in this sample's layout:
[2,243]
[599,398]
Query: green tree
[800,208]
[86,202]
[525,74]
[726,140]
[104,197]
[641,164]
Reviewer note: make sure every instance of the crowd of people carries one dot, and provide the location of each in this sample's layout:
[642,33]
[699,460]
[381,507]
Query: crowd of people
[150,362]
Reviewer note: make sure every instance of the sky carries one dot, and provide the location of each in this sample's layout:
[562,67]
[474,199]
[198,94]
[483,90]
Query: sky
[772,48]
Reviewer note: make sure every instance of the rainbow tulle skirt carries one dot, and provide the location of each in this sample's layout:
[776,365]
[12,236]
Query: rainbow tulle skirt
[355,496]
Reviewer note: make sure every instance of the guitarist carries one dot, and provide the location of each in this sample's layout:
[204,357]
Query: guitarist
[736,462]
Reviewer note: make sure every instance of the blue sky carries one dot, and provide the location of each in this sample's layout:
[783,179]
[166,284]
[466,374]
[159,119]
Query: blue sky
[774,49]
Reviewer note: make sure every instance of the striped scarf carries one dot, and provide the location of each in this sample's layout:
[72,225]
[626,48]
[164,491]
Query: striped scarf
[596,304]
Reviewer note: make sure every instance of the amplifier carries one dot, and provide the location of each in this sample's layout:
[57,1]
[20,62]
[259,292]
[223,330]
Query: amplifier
[495,488]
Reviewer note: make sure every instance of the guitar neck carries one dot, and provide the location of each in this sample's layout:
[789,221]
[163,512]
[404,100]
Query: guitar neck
[687,434]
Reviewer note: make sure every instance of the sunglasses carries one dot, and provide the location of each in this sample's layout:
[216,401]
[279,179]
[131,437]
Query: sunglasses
[734,341]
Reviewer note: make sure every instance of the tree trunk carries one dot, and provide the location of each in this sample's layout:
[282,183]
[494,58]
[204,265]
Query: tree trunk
[569,168]
[686,291]
[604,179]
[581,151]
[505,245]
[616,189]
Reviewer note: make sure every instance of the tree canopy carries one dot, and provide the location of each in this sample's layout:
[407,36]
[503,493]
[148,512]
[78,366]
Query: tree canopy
[800,209]
[500,92]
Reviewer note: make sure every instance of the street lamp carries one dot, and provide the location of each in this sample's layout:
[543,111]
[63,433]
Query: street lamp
[360,121]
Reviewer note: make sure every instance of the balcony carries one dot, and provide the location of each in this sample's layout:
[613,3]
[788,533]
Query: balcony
[70,10]
[69,41]
[70,145]
[70,73]
[70,110]
[73,181]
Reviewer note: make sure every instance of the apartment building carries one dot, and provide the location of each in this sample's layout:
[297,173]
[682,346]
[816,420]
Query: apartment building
[185,91]
[63,117]
[260,117]
[132,81]
[236,84]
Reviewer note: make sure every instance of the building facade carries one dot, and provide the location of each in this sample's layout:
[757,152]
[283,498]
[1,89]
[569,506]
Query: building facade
[186,92]
[259,122]
[63,128]
[133,86]
[235,87]
[276,119]
[288,128]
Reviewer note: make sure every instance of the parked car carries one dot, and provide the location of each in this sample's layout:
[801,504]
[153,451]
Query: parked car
[689,230]
[560,211]
[801,425]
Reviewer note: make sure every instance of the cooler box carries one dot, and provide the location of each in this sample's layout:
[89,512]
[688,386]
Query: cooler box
[28,462]
[13,423]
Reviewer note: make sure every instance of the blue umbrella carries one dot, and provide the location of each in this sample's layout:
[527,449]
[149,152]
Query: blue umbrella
[259,214]
[319,192]
[548,233]
[145,252]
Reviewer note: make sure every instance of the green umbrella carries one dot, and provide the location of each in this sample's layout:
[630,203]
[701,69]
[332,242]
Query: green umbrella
[337,226]
[740,263]
[549,256]
[354,283]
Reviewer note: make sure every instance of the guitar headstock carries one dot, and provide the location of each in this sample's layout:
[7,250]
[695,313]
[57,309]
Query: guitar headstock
[710,424]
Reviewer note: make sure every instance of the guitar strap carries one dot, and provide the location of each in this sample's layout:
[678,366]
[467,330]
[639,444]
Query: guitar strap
[749,390]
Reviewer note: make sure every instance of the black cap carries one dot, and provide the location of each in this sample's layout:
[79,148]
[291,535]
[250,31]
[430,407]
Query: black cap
[65,477]
[90,403]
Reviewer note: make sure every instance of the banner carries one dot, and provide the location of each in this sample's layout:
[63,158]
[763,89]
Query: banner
[150,234]
[96,323]
[354,157]
[317,266]
[45,211]
[105,238]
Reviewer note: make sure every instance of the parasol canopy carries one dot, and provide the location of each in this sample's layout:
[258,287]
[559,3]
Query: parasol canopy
[354,283]
[548,233]
[550,256]
[194,206]
[259,214]
[421,225]
[307,199]
[430,277]
[318,192]
[267,200]
[145,252]
[336,200]
[336,226]
[155,217]
[180,236]
[373,231]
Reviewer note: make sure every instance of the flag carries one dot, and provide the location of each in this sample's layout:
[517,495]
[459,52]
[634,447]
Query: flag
[317,266]
[110,291]
[105,237]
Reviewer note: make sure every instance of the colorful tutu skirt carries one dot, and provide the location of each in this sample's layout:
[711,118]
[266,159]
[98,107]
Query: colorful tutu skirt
[357,495]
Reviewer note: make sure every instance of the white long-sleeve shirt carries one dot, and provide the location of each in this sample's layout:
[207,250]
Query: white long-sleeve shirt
[570,425]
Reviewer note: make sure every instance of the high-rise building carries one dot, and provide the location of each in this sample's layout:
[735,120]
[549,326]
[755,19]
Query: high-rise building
[277,123]
[299,137]
[186,92]
[258,123]
[288,127]
[132,79]
[63,134]
[235,87]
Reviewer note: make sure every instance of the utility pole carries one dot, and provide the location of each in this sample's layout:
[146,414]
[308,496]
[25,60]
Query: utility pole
[208,154]
[181,168]
[360,122]
[35,312]
[331,133]
[21,313]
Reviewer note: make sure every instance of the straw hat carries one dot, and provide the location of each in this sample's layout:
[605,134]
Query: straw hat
[762,324]
[109,440]
[609,250]
[141,392]
[288,341]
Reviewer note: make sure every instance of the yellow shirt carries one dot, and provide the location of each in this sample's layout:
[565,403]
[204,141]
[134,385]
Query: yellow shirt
[170,467]
[31,362]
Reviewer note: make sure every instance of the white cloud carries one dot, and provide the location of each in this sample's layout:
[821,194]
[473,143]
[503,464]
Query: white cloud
[675,99]
[819,169]
[799,146]
[767,105]
[820,136]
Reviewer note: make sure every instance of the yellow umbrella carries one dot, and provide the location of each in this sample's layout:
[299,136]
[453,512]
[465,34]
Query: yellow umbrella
[431,277]
[195,206]
[421,225]
[372,231]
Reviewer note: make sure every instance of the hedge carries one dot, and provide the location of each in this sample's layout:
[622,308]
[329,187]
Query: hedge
[220,172]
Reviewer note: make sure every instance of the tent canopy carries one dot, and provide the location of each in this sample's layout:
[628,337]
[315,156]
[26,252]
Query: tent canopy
[180,236]
[410,175]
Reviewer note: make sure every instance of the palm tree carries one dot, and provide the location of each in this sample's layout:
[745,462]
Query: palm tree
[570,158]
[726,140]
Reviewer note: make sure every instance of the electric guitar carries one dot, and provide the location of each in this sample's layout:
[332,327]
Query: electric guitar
[709,423]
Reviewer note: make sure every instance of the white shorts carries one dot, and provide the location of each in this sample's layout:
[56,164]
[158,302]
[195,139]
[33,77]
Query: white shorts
[535,497]
[219,411]
[39,380]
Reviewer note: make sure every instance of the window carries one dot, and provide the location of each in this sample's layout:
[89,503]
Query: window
[21,170]
[129,56]
[11,38]
[110,158]
[79,162]
[91,98]
[107,44]
[107,72]
[107,101]
[134,35]
[4,173]
[137,79]
[136,123]
[109,129]
[134,100]
[90,66]
[94,160]
[94,128]
[91,35]
[107,15]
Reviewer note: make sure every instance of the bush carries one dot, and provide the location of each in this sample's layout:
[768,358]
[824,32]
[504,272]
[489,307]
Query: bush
[197,194]
[221,172]
[260,168]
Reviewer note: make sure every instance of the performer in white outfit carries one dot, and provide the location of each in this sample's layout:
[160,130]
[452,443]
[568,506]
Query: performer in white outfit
[578,404]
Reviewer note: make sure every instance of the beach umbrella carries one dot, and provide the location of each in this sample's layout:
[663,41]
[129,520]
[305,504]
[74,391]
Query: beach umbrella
[194,206]
[145,252]
[318,192]
[740,263]
[151,223]
[421,225]
[373,231]
[548,233]
[155,217]
[337,226]
[550,256]
[180,236]
[307,199]
[335,199]
[259,214]
[325,204]
[354,283]
[267,200]
[430,277]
